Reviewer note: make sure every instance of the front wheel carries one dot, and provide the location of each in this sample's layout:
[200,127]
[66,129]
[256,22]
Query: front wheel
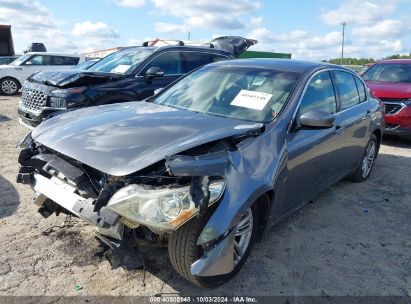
[364,169]
[9,86]
[183,249]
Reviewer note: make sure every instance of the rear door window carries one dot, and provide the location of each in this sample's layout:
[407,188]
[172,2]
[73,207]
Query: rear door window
[217,58]
[64,60]
[361,90]
[38,60]
[169,62]
[347,90]
[193,60]
[319,95]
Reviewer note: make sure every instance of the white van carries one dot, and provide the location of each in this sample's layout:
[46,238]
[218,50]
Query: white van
[12,76]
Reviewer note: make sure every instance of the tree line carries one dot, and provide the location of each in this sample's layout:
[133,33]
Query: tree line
[362,61]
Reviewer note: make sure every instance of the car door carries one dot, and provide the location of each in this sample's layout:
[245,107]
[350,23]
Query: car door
[33,64]
[313,153]
[170,62]
[355,116]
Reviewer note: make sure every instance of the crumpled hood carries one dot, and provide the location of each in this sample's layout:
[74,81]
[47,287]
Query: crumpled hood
[72,78]
[390,89]
[121,139]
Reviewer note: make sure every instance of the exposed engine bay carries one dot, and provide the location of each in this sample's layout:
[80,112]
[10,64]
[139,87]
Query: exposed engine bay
[129,211]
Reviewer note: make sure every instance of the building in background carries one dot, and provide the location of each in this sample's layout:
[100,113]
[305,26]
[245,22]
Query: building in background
[6,41]
[101,53]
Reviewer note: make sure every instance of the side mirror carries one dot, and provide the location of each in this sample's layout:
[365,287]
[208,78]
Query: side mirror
[153,72]
[317,119]
[28,63]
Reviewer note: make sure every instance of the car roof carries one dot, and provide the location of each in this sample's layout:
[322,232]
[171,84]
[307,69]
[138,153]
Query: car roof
[406,61]
[291,65]
[53,54]
[179,47]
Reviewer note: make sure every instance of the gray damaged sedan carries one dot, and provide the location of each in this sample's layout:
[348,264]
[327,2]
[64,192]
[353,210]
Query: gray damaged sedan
[208,162]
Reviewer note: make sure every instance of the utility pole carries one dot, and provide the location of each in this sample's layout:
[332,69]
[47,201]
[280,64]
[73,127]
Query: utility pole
[343,38]
[115,36]
[188,38]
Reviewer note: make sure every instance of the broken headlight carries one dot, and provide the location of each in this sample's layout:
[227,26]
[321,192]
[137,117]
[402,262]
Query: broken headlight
[159,209]
[57,103]
[26,142]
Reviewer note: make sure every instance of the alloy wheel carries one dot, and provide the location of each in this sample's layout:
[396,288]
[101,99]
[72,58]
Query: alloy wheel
[368,160]
[9,86]
[243,235]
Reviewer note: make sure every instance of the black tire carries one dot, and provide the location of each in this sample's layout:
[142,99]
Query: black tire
[9,86]
[359,174]
[183,251]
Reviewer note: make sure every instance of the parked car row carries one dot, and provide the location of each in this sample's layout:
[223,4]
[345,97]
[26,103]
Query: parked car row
[225,149]
[130,74]
[124,76]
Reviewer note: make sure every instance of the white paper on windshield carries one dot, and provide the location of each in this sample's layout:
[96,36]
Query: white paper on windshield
[251,100]
[121,68]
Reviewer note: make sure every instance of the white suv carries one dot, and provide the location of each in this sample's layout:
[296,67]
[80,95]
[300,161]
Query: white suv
[12,76]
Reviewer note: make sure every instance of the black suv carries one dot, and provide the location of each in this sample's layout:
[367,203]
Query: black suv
[37,47]
[130,74]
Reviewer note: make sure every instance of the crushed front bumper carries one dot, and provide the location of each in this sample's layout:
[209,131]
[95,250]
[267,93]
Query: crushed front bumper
[63,194]
[31,120]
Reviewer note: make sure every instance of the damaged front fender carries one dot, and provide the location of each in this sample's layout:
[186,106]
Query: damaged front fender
[213,164]
[247,179]
[218,260]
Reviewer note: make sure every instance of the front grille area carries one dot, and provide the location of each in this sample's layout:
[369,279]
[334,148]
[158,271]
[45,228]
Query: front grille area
[33,99]
[393,105]
[391,108]
[398,100]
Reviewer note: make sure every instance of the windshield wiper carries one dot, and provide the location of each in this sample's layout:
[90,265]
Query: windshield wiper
[149,99]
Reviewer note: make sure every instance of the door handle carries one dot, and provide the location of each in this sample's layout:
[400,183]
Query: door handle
[338,129]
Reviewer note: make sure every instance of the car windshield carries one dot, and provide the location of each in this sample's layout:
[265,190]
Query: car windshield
[389,72]
[252,94]
[121,62]
[85,65]
[21,59]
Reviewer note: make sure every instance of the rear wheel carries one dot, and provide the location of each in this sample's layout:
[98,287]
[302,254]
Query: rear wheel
[364,169]
[183,249]
[9,86]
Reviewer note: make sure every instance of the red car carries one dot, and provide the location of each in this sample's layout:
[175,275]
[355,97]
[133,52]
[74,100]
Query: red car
[390,81]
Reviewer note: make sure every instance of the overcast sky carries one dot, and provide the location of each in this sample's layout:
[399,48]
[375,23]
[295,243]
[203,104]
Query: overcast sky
[307,29]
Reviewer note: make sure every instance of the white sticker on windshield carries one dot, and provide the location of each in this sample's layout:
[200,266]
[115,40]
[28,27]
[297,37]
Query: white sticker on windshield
[251,100]
[121,68]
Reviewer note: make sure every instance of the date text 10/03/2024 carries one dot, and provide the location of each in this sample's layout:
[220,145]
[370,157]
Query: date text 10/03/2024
[202,299]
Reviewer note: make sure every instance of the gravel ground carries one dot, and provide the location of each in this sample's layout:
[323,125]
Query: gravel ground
[353,240]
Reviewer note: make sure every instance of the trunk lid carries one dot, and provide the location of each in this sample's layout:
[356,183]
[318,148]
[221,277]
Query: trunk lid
[233,44]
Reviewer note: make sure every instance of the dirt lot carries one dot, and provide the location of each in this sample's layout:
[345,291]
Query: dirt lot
[353,240]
